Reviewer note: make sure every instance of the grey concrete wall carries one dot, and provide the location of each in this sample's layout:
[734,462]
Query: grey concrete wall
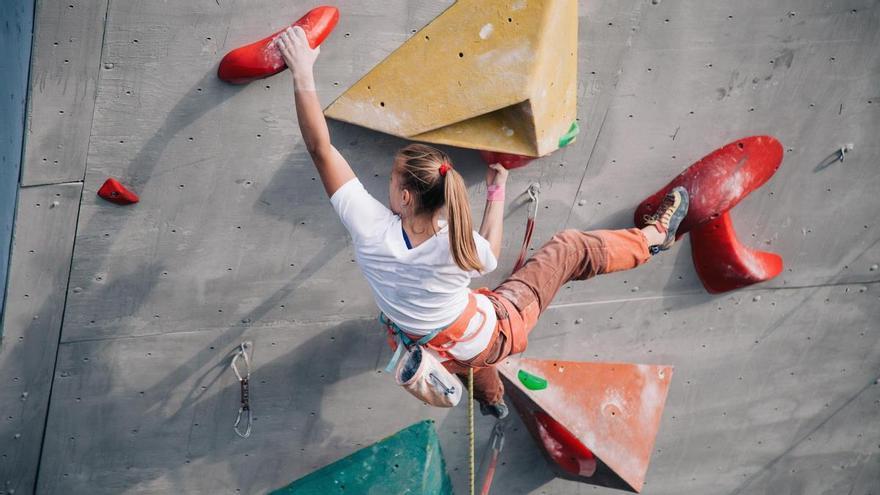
[775,386]
[45,226]
[16,26]
[67,49]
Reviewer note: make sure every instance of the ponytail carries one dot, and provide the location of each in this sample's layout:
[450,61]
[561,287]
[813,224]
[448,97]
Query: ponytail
[428,174]
[458,211]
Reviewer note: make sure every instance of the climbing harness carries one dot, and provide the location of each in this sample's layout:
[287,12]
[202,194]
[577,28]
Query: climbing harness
[496,443]
[440,339]
[244,411]
[533,191]
[472,474]
[419,371]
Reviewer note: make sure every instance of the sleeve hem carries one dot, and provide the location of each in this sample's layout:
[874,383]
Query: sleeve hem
[335,198]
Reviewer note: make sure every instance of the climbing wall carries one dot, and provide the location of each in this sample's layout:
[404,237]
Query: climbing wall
[775,387]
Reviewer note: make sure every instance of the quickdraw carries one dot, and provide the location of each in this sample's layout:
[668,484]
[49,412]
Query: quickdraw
[533,191]
[496,444]
[244,411]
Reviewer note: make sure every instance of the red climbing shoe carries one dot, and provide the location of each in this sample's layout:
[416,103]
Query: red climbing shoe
[507,160]
[723,263]
[668,217]
[262,59]
[115,192]
[721,179]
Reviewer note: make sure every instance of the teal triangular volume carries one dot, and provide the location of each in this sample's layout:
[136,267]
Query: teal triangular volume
[408,462]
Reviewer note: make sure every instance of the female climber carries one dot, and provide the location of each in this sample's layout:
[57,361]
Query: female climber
[420,253]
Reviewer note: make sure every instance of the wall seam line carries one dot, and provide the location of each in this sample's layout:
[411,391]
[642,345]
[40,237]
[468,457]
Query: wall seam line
[362,318]
[70,262]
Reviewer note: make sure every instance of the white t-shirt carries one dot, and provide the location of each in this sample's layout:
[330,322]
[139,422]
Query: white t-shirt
[420,289]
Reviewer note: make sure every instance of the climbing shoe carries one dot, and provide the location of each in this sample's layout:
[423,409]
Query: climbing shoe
[499,410]
[668,217]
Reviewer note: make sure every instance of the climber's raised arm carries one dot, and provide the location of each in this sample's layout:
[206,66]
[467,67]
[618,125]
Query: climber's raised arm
[492,226]
[300,59]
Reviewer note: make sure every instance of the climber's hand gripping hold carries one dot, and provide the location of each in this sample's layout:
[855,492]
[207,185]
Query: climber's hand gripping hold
[300,59]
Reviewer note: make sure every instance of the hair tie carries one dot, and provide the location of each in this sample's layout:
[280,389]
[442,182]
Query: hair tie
[444,167]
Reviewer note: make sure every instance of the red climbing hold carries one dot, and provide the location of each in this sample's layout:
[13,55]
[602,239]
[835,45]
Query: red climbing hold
[716,184]
[564,448]
[596,422]
[262,59]
[723,263]
[115,192]
[507,160]
[720,180]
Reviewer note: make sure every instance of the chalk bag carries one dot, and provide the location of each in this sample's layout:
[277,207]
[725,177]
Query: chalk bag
[422,375]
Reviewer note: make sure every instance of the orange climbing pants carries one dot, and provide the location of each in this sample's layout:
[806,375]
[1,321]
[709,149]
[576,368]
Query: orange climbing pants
[520,300]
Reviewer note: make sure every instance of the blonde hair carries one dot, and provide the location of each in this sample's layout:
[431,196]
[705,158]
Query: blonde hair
[420,167]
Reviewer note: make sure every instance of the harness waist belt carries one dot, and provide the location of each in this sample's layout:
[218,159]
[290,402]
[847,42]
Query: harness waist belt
[454,332]
[440,340]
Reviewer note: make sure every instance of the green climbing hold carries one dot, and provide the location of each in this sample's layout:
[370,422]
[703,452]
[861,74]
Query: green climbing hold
[569,136]
[531,382]
[408,462]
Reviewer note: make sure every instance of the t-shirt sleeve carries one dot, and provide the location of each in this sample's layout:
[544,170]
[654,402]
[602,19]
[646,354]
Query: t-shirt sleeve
[484,250]
[361,213]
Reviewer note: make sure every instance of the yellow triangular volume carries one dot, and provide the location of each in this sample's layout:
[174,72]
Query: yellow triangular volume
[486,74]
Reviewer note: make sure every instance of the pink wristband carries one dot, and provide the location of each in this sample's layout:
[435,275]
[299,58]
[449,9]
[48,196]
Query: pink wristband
[495,193]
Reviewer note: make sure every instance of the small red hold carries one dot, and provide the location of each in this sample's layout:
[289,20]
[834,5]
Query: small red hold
[115,192]
[507,160]
[262,59]
[723,263]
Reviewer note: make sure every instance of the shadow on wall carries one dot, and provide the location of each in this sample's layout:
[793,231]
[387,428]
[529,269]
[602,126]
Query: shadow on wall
[292,434]
[145,276]
[139,172]
[141,169]
[288,395]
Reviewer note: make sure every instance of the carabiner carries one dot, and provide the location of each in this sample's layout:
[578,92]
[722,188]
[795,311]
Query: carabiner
[498,436]
[533,191]
[241,412]
[242,352]
[446,390]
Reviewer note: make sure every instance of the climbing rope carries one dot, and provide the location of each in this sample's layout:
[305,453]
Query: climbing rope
[472,474]
[533,191]
[244,410]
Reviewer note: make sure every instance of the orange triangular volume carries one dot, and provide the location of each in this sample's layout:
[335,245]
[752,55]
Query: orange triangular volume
[496,75]
[577,411]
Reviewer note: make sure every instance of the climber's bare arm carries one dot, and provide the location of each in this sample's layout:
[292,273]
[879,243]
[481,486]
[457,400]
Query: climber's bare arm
[300,58]
[492,227]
